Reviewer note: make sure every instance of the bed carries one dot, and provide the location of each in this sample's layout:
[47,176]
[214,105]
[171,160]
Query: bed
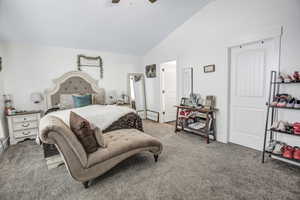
[121,127]
[78,82]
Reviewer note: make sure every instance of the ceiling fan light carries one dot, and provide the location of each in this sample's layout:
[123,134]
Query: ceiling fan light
[152,1]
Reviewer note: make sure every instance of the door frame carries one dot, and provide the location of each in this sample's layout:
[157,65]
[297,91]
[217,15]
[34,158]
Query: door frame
[274,34]
[162,118]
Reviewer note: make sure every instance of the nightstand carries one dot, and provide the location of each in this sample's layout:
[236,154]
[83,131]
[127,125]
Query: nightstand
[23,126]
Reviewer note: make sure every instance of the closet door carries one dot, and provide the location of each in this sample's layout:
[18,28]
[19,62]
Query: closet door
[250,70]
[169,91]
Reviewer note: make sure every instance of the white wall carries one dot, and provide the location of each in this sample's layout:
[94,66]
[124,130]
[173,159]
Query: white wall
[2,124]
[32,68]
[204,39]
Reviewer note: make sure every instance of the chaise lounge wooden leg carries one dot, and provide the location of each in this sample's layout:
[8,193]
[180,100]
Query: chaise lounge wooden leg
[155,158]
[86,184]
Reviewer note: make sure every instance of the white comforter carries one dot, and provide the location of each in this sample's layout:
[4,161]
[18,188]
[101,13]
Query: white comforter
[101,116]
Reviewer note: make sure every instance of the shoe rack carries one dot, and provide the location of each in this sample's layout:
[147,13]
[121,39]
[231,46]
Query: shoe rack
[271,118]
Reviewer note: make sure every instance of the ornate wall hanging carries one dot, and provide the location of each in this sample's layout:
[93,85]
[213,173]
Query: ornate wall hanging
[89,61]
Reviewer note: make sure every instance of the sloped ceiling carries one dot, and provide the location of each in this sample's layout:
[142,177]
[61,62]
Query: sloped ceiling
[131,27]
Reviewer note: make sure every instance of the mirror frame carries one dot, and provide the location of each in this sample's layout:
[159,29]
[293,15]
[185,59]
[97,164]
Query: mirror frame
[144,87]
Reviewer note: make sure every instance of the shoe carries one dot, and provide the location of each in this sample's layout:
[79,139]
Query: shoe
[281,78]
[296,155]
[275,125]
[271,146]
[291,103]
[297,104]
[275,100]
[287,79]
[289,128]
[296,128]
[282,102]
[278,149]
[297,131]
[290,78]
[184,113]
[282,126]
[288,152]
[296,76]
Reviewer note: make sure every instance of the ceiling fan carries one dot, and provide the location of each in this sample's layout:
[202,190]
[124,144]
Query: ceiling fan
[117,1]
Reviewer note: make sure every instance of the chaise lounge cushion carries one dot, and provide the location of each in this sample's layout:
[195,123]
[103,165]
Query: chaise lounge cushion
[121,141]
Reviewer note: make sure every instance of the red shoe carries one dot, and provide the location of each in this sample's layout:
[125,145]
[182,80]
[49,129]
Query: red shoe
[296,155]
[297,131]
[288,152]
[296,127]
[296,76]
[297,124]
[184,113]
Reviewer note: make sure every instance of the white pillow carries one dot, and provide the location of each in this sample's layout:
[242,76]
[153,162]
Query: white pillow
[98,98]
[66,101]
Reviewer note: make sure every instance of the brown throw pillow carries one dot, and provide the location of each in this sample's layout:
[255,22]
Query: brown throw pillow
[83,131]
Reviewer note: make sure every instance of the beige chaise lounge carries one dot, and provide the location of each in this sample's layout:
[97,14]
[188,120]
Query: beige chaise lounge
[84,167]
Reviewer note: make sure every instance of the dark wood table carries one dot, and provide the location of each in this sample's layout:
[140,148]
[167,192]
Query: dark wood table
[208,130]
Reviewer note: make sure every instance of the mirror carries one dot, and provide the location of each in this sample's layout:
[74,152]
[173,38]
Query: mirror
[136,93]
[187,82]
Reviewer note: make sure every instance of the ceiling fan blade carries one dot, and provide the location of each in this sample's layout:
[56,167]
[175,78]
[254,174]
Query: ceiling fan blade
[118,1]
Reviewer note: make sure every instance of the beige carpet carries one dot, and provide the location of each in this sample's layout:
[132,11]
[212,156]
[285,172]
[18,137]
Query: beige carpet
[188,169]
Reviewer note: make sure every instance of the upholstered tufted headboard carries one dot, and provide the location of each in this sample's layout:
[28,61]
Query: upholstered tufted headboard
[74,82]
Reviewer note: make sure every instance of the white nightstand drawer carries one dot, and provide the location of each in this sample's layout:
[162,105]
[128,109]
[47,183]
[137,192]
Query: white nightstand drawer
[25,125]
[24,118]
[25,133]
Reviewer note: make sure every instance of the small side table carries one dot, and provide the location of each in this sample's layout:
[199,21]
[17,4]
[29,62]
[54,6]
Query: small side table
[23,126]
[207,115]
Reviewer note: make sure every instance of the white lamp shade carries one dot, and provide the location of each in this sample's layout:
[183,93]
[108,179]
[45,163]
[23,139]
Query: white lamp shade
[36,97]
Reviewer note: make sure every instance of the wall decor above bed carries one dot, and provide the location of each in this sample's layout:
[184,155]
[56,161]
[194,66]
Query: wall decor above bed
[89,61]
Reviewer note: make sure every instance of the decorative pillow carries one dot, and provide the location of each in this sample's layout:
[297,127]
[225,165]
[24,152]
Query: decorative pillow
[83,131]
[82,100]
[99,98]
[66,101]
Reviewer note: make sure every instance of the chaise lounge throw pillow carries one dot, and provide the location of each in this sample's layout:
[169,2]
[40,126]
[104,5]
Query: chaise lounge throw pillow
[91,138]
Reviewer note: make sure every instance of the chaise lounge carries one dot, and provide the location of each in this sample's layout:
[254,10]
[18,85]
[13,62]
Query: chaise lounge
[84,167]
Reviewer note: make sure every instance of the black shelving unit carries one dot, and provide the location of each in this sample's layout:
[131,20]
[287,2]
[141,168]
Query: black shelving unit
[284,132]
[271,111]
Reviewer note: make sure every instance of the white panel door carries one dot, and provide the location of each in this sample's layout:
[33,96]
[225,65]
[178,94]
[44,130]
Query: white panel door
[169,93]
[250,71]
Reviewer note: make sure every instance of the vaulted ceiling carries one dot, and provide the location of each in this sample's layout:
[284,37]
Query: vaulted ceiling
[131,27]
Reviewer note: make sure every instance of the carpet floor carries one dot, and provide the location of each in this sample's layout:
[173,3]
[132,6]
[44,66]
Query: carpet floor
[188,169]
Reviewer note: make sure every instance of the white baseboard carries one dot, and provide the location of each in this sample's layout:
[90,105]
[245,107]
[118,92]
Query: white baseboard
[3,145]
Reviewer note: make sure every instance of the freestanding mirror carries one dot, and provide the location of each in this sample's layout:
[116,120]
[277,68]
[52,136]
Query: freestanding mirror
[136,93]
[187,82]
